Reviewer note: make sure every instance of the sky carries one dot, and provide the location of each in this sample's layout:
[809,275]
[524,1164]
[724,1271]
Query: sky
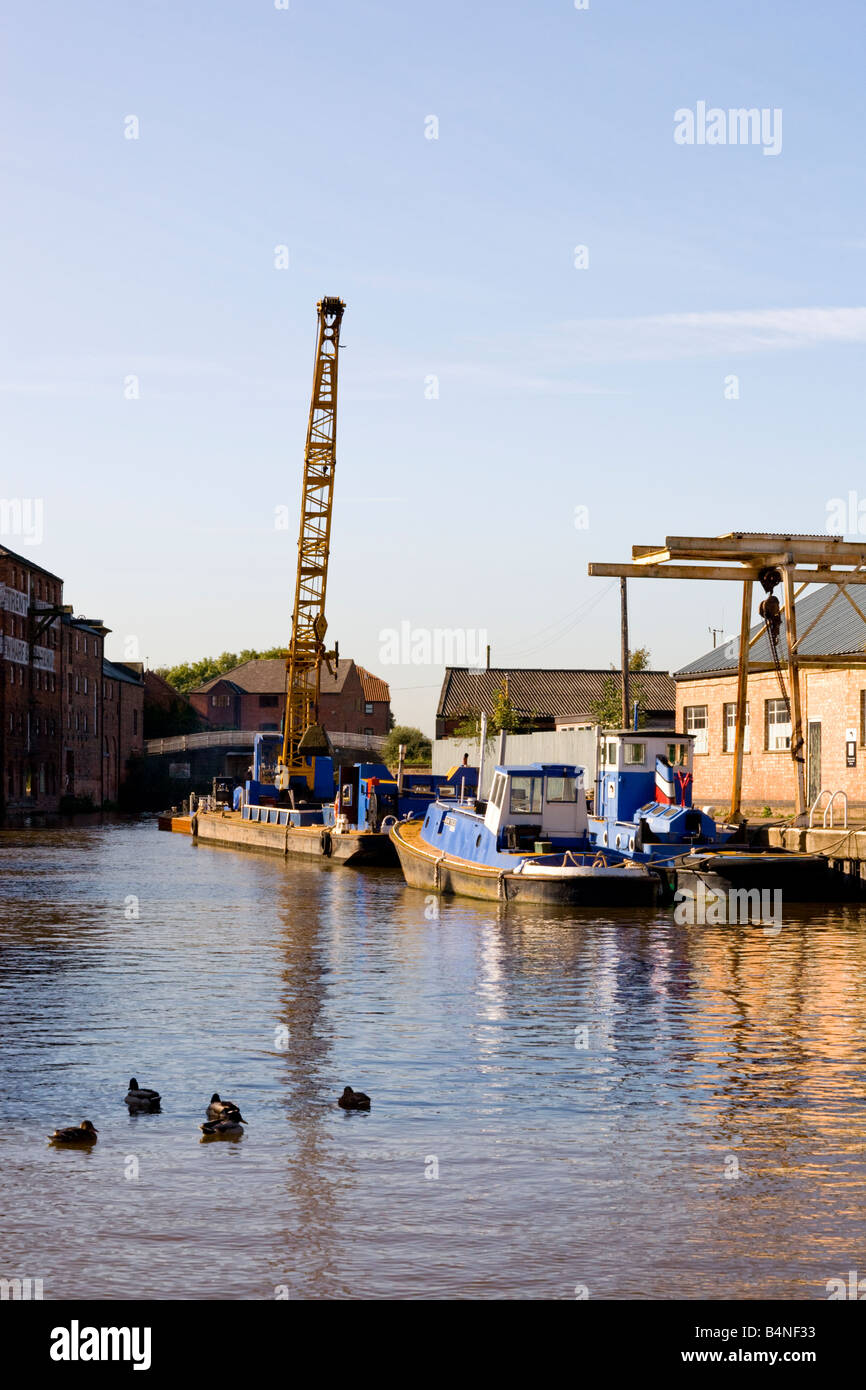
[511,406]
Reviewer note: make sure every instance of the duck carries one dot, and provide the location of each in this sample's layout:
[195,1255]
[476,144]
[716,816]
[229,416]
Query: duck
[138,1098]
[222,1109]
[85,1133]
[230,1128]
[353,1100]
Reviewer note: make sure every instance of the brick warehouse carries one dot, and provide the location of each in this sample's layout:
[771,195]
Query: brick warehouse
[253,697]
[56,739]
[834,707]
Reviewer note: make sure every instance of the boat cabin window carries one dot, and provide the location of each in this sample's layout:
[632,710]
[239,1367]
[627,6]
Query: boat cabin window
[497,790]
[635,754]
[608,753]
[678,754]
[526,796]
[562,788]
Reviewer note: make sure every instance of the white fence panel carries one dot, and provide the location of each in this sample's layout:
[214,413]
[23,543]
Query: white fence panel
[574,746]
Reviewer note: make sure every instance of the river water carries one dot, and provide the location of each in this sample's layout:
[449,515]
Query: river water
[611,1106]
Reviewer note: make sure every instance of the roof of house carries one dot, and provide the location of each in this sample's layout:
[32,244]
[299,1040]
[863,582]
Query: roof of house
[119,672]
[543,693]
[267,676]
[374,687]
[28,563]
[158,685]
[838,632]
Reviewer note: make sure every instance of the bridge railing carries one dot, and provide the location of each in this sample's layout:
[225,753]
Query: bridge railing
[243,738]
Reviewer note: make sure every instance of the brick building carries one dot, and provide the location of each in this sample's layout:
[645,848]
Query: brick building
[52,697]
[545,699]
[253,697]
[123,693]
[30,684]
[833,697]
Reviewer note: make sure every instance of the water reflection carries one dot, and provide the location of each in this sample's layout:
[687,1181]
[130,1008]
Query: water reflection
[653,1110]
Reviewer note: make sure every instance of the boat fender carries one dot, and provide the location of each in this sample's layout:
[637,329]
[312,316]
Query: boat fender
[372,810]
[193,825]
[327,843]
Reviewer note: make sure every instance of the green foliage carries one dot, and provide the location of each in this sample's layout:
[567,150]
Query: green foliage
[187,675]
[503,716]
[419,750]
[608,710]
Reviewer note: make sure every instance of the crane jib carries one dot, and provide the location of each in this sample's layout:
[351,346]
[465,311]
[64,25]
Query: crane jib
[302,734]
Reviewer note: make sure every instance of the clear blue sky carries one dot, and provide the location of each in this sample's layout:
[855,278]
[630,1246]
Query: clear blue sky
[558,387]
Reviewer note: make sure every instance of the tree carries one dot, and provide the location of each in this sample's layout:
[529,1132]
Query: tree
[502,716]
[419,749]
[608,710]
[187,675]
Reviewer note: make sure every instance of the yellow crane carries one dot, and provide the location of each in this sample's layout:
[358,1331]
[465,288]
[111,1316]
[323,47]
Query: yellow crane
[303,735]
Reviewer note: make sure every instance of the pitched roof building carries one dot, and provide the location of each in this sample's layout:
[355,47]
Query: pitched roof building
[548,699]
[833,695]
[253,697]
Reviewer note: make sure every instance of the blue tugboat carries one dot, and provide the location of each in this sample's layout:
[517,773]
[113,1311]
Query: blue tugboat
[528,842]
[643,809]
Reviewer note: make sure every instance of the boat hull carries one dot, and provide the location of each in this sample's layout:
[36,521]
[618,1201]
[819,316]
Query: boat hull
[583,886]
[800,878]
[355,847]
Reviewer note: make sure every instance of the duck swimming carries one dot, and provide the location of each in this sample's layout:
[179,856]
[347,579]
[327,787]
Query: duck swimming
[353,1100]
[138,1098]
[85,1133]
[222,1109]
[230,1128]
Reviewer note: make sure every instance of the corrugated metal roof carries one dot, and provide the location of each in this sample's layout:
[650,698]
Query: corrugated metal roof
[543,693]
[840,632]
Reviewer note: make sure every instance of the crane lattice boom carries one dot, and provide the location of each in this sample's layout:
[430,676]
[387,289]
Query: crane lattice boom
[307,645]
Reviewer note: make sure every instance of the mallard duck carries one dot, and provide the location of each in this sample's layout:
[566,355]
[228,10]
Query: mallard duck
[354,1100]
[222,1109]
[138,1098]
[230,1128]
[85,1133]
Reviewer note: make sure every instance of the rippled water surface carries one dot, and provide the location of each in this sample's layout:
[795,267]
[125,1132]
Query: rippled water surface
[709,1051]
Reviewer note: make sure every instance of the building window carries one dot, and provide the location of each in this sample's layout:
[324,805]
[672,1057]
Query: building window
[697,724]
[221,701]
[268,701]
[730,729]
[85,682]
[777,726]
[368,707]
[135,721]
[368,731]
[862,718]
[76,685]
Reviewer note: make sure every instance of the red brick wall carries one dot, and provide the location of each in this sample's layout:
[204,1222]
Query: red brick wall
[123,724]
[769,778]
[30,698]
[81,772]
[340,712]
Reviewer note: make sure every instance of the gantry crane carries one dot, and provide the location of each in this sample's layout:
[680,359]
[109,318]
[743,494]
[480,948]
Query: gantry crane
[303,735]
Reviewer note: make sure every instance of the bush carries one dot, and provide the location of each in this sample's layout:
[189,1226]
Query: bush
[419,749]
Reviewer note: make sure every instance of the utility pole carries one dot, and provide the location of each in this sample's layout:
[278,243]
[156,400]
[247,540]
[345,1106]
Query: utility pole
[623,603]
